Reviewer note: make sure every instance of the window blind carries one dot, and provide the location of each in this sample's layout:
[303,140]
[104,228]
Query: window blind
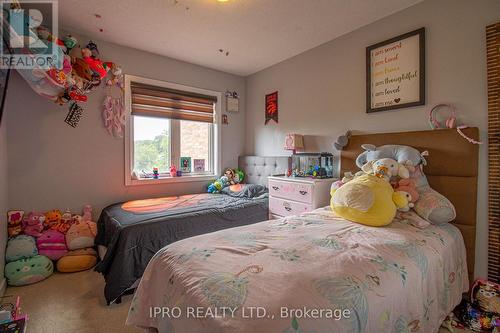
[493,64]
[162,102]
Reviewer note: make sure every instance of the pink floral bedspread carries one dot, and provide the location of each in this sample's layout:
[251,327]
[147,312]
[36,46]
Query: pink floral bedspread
[309,273]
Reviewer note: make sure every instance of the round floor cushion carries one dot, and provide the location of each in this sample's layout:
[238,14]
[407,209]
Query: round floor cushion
[77,260]
[29,270]
[20,247]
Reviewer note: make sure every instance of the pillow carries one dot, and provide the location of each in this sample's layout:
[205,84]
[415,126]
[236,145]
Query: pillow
[77,260]
[52,244]
[28,270]
[431,205]
[245,190]
[81,235]
[400,153]
[20,247]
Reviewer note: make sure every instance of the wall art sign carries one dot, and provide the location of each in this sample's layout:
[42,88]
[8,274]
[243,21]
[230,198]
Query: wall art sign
[395,72]
[272,107]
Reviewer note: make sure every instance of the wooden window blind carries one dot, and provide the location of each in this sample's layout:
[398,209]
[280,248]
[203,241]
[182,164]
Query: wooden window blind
[162,102]
[493,64]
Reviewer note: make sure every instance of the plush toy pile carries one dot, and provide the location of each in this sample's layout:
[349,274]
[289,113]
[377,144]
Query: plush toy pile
[38,240]
[71,74]
[230,177]
[391,180]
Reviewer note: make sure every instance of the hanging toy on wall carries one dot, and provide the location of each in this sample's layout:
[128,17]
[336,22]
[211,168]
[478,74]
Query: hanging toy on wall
[113,112]
[342,141]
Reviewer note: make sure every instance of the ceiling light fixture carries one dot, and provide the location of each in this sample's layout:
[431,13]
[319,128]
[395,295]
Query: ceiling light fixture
[222,0]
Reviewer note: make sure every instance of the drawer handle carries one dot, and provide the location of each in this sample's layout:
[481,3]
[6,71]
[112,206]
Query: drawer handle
[303,192]
[276,188]
[288,209]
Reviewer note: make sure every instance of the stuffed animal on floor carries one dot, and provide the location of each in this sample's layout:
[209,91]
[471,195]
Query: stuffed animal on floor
[28,270]
[33,224]
[52,244]
[81,235]
[77,260]
[64,222]
[14,222]
[20,247]
[370,199]
[52,217]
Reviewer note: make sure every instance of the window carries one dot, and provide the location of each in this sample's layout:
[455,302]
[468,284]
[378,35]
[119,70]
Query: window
[167,123]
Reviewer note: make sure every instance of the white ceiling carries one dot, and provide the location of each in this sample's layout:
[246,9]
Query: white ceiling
[256,33]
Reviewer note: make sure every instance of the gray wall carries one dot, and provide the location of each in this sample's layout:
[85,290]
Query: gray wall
[3,199]
[52,165]
[322,91]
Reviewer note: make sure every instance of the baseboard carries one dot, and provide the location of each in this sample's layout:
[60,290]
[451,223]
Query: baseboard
[3,286]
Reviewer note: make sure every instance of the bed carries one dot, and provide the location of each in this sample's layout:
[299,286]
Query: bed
[130,233]
[316,272]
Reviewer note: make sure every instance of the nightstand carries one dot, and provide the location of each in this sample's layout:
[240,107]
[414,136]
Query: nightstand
[294,195]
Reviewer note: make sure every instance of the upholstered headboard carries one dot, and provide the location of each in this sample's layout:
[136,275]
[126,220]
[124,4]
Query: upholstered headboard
[258,168]
[452,170]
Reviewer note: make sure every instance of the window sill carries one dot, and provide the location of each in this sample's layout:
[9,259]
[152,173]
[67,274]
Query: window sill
[168,180]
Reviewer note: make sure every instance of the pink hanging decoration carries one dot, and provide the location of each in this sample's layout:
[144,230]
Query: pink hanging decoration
[113,112]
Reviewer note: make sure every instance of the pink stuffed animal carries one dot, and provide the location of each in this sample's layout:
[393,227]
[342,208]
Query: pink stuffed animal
[52,244]
[33,224]
[407,185]
[87,213]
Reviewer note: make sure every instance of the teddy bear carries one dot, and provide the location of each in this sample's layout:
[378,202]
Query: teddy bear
[33,224]
[386,168]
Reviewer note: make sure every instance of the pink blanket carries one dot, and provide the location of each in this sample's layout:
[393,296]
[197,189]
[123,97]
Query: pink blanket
[309,273]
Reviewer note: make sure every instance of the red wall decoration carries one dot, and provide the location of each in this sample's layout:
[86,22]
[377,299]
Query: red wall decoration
[272,107]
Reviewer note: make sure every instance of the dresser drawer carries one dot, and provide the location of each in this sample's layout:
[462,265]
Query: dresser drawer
[284,207]
[291,190]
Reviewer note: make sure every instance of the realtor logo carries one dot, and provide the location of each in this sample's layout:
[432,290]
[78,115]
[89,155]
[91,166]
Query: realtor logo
[29,30]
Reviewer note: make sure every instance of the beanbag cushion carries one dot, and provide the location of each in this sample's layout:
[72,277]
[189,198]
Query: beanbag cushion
[20,247]
[52,244]
[28,270]
[81,235]
[77,260]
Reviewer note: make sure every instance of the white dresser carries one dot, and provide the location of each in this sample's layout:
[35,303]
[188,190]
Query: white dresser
[293,195]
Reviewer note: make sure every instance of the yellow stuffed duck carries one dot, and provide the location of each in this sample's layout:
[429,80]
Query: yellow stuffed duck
[369,198]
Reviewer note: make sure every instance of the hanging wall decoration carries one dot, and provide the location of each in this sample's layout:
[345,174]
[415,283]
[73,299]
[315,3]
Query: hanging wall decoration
[113,112]
[272,107]
[395,72]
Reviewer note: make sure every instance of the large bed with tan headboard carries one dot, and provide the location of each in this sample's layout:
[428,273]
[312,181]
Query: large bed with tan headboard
[452,170]
[391,279]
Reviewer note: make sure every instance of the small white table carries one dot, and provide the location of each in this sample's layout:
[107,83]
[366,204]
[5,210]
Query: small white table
[296,195]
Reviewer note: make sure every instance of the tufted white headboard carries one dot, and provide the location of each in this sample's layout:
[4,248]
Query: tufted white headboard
[258,168]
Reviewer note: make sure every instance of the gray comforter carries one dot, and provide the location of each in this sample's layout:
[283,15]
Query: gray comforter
[134,231]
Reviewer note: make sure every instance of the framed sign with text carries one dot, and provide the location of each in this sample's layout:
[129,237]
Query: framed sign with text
[395,72]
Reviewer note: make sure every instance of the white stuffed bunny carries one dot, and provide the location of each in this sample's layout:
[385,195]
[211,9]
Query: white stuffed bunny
[386,168]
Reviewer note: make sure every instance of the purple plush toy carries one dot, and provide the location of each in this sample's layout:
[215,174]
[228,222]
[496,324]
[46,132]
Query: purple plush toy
[33,224]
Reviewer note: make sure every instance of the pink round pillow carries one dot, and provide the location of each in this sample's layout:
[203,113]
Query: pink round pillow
[81,235]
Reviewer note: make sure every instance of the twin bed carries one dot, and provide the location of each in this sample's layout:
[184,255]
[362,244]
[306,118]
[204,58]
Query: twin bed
[318,273]
[130,233]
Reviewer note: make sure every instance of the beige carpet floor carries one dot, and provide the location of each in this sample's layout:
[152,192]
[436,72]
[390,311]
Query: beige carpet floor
[74,303]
